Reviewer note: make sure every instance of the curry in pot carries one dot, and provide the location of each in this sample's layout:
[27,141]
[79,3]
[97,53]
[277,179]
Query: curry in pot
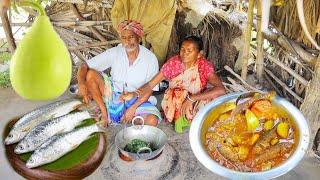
[251,136]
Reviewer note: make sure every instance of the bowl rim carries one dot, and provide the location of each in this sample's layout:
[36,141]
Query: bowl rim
[201,154]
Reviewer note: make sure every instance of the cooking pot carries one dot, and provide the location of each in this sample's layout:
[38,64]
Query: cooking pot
[149,134]
[200,125]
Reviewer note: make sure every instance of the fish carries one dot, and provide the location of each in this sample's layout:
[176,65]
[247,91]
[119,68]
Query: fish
[264,142]
[246,105]
[272,153]
[59,145]
[35,117]
[242,107]
[49,128]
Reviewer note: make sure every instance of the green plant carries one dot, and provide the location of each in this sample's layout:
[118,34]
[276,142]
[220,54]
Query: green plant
[4,56]
[5,79]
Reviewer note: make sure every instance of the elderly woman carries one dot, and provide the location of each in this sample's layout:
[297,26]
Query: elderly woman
[189,74]
[132,65]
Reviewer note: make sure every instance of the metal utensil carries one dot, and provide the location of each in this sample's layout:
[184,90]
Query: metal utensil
[198,128]
[145,133]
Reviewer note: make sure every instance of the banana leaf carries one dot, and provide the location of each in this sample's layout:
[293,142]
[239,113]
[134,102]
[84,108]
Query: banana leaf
[75,157]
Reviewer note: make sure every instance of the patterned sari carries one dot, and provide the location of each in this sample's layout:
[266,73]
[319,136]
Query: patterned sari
[179,87]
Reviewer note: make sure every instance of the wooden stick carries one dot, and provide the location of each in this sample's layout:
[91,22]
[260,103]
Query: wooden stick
[94,45]
[103,3]
[69,23]
[283,85]
[7,29]
[259,60]
[92,29]
[288,69]
[272,84]
[236,86]
[242,80]
[247,40]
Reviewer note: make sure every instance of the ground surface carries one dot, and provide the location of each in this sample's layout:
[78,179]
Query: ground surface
[176,162]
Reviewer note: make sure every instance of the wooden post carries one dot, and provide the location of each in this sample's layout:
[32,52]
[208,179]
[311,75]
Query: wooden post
[4,6]
[247,40]
[259,60]
[311,104]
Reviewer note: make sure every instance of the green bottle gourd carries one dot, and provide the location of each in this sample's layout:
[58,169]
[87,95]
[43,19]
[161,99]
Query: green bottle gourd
[41,66]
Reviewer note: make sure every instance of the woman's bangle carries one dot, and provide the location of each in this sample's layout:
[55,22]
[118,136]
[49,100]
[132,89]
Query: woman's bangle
[137,92]
[188,97]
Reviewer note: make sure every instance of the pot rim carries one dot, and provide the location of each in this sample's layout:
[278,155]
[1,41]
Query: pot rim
[140,128]
[202,155]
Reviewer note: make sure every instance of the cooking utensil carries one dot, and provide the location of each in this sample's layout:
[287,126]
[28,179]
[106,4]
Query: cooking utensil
[200,125]
[149,134]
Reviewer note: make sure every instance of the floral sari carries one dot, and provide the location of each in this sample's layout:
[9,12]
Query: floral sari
[188,82]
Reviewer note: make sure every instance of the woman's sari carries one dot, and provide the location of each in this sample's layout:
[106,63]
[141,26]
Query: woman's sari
[188,82]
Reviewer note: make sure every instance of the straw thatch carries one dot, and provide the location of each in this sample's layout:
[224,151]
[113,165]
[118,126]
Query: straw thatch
[286,19]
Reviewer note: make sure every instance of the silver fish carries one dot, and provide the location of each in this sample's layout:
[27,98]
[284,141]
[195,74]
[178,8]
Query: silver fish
[49,128]
[59,145]
[35,117]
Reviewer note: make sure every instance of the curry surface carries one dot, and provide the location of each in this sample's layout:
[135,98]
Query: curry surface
[231,144]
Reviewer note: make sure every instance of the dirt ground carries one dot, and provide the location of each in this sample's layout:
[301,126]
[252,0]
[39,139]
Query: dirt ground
[176,162]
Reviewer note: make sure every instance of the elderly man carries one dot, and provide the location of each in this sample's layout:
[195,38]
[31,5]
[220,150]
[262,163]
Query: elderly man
[132,65]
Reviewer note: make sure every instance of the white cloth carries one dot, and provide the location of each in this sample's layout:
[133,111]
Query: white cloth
[125,77]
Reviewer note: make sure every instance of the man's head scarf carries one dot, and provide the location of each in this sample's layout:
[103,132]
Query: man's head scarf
[131,25]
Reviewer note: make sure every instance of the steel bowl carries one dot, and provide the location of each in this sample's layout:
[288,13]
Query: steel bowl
[146,133]
[201,124]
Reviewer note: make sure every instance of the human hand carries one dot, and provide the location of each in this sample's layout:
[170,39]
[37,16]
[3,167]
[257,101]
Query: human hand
[83,92]
[104,120]
[126,96]
[187,109]
[129,114]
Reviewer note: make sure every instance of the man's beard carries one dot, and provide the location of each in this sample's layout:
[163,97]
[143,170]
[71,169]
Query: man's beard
[130,49]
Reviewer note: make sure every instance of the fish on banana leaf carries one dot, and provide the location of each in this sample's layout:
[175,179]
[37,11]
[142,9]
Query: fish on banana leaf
[59,145]
[35,117]
[49,128]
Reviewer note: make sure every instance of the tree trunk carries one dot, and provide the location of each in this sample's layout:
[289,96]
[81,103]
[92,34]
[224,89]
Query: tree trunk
[6,25]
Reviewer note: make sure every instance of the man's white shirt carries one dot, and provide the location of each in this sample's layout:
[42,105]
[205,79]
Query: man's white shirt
[130,77]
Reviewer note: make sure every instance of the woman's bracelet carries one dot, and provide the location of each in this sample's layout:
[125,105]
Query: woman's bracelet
[137,92]
[188,97]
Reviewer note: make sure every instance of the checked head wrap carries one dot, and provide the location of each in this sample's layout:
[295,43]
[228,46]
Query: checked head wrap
[131,25]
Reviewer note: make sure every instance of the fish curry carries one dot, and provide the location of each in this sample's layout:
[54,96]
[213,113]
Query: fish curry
[251,136]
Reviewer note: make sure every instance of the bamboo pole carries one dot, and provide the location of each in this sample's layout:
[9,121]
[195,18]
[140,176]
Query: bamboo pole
[247,40]
[283,85]
[6,24]
[259,60]
[286,68]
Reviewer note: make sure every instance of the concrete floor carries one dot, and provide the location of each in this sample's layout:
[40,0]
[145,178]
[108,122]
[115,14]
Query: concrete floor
[176,162]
